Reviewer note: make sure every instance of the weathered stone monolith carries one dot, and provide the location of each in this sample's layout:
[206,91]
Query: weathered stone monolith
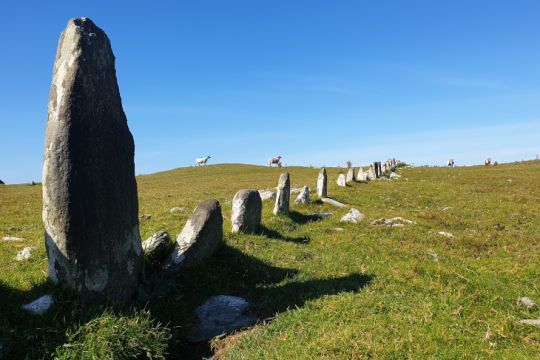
[341,181]
[246,211]
[89,191]
[303,197]
[199,238]
[350,175]
[283,195]
[322,181]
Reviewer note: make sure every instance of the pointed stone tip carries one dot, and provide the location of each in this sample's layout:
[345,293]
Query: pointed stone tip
[84,25]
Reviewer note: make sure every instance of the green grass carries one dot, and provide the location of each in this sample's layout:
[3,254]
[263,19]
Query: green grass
[365,292]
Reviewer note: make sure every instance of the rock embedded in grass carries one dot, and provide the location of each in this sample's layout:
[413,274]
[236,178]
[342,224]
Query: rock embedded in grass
[322,182]
[177,209]
[12,238]
[281,206]
[199,239]
[303,197]
[40,305]
[157,247]
[393,222]
[24,254]
[90,202]
[353,216]
[527,302]
[532,322]
[341,181]
[445,234]
[221,314]
[246,211]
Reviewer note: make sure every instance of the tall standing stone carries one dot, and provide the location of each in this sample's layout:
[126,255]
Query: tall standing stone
[246,211]
[350,175]
[90,203]
[283,195]
[322,180]
[341,181]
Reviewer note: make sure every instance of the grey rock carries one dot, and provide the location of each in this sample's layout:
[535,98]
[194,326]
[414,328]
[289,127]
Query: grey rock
[199,239]
[283,195]
[527,302]
[24,254]
[2,183]
[267,195]
[532,322]
[393,222]
[350,175]
[220,315]
[246,211]
[332,202]
[177,209]
[90,203]
[40,305]
[322,181]
[341,181]
[353,216]
[158,246]
[303,197]
[12,238]
[393,176]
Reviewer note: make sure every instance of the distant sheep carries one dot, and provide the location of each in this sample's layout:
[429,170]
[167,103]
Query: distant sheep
[451,163]
[202,161]
[487,162]
[275,161]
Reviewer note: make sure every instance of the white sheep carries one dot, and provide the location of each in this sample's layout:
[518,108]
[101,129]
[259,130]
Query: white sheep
[202,161]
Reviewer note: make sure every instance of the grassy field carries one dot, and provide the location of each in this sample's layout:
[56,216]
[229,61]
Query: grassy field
[364,292]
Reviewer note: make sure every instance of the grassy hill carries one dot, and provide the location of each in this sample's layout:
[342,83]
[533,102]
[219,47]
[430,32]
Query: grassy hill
[364,292]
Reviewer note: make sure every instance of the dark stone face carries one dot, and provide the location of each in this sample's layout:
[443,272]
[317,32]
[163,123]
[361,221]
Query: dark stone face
[2,183]
[90,203]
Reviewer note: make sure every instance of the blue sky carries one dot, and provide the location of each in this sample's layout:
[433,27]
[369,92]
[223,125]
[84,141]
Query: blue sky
[318,82]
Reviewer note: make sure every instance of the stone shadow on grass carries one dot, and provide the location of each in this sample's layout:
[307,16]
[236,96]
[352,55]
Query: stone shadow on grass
[272,234]
[300,218]
[268,289]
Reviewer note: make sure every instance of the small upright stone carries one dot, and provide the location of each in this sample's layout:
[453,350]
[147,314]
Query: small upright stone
[200,237]
[246,211]
[303,197]
[90,203]
[2,183]
[283,195]
[350,175]
[157,246]
[322,180]
[341,181]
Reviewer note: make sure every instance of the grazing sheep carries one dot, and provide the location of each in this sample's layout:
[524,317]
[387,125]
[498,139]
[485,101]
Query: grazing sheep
[275,161]
[451,163]
[487,162]
[202,161]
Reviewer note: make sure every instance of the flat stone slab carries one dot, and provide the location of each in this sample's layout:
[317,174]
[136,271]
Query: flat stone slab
[393,222]
[40,305]
[221,314]
[332,202]
[12,238]
[532,322]
[177,209]
[445,234]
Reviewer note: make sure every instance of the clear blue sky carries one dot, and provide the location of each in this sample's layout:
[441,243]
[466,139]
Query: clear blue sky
[318,82]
